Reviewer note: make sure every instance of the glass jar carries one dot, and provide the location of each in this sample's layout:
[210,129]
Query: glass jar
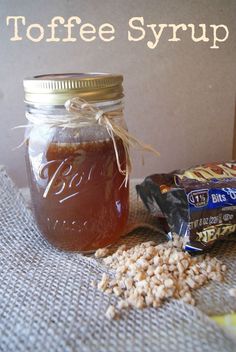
[79,195]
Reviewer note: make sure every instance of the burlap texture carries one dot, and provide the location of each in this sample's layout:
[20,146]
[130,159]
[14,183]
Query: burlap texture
[47,302]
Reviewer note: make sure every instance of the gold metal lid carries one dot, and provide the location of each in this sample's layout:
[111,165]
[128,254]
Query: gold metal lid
[56,89]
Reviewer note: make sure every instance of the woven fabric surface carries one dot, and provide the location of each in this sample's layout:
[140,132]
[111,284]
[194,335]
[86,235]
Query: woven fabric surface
[47,302]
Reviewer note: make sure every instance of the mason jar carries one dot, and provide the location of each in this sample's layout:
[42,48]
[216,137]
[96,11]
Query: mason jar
[76,164]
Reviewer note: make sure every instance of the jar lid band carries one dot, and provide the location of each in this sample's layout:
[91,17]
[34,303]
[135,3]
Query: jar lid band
[55,89]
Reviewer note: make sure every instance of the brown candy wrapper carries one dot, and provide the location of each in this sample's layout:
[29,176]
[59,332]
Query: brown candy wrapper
[199,204]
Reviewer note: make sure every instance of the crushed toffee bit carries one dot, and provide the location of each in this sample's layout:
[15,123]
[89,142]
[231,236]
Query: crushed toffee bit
[111,312]
[101,252]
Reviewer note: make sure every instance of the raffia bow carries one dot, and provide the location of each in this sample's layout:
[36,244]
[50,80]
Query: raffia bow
[85,111]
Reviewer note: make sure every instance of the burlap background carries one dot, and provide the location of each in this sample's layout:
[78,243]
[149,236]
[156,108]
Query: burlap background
[47,302]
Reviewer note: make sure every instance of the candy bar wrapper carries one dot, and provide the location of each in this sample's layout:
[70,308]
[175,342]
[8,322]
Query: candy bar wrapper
[199,204]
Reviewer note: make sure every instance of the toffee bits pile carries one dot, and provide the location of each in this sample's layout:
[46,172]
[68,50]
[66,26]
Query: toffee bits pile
[148,274]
